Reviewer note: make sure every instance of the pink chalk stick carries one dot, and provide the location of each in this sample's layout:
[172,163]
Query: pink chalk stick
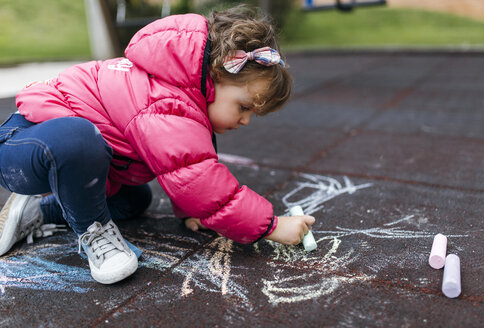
[438,252]
[451,280]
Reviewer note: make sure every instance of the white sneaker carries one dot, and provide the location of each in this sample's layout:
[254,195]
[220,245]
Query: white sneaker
[21,217]
[110,259]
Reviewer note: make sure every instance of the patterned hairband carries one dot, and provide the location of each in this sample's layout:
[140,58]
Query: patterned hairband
[236,59]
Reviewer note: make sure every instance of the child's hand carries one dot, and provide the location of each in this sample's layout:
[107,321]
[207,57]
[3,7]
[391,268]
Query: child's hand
[194,224]
[290,230]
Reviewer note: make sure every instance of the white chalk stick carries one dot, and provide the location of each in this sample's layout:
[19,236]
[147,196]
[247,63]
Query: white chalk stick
[451,281]
[438,252]
[296,210]
[309,242]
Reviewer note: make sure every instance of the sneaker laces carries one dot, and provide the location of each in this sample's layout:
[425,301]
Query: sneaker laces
[45,230]
[102,239]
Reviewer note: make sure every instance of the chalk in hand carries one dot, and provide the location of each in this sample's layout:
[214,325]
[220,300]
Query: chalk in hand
[308,241]
[438,252]
[451,281]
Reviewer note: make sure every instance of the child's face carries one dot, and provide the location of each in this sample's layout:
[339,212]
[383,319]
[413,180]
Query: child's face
[233,105]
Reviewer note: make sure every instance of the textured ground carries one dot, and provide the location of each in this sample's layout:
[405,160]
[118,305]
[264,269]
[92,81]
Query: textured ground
[384,149]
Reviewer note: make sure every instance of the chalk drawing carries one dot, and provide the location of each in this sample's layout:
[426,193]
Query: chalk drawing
[211,271]
[327,272]
[161,252]
[321,189]
[300,276]
[292,275]
[381,233]
[36,268]
[238,160]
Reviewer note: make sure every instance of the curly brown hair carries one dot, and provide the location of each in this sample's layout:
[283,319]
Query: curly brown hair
[245,28]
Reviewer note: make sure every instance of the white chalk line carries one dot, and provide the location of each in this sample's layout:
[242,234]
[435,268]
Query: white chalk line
[186,289]
[238,160]
[408,217]
[324,189]
[380,233]
[211,271]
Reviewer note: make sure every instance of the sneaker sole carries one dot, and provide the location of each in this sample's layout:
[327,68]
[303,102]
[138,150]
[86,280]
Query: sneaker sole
[10,219]
[116,275]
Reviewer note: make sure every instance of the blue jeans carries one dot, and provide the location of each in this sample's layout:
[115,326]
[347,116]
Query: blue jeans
[69,158]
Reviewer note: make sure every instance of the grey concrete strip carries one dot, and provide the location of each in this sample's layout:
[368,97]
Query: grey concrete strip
[13,79]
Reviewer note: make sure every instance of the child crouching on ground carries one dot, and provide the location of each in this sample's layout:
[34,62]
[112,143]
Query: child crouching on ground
[93,137]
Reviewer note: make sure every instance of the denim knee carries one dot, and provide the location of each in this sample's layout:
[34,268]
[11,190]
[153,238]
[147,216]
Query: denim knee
[85,143]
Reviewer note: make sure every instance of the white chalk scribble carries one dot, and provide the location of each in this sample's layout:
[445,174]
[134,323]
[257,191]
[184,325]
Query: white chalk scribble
[300,276]
[316,190]
[211,271]
[291,275]
[324,275]
[292,281]
[216,264]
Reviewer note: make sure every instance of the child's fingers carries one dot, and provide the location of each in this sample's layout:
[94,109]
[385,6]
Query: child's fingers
[309,220]
[193,226]
[300,239]
[191,223]
[305,229]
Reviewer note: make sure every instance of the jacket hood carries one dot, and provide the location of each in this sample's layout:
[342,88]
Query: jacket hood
[172,49]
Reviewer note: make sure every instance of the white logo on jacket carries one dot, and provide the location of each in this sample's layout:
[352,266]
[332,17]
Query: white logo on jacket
[122,65]
[31,83]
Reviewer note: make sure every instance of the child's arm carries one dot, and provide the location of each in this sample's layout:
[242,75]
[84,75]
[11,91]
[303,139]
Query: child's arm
[290,230]
[179,151]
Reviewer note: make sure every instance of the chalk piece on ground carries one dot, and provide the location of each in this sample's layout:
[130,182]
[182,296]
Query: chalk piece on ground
[309,242]
[451,281]
[438,252]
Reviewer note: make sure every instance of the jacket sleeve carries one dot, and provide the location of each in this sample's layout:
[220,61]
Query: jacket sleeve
[180,152]
[178,212]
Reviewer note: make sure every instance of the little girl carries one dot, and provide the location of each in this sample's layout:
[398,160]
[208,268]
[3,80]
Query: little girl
[83,146]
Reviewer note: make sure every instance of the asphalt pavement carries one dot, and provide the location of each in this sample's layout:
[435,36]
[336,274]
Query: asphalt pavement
[385,149]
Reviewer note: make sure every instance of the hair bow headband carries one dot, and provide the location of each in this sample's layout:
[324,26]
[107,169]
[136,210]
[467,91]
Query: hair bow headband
[236,59]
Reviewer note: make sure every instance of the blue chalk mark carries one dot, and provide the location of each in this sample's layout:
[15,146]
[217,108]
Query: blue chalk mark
[41,274]
[38,268]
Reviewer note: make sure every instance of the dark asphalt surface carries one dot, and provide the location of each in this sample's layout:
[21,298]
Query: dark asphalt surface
[384,149]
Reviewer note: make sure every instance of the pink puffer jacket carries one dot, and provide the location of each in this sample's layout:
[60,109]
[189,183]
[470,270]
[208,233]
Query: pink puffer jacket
[151,109]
